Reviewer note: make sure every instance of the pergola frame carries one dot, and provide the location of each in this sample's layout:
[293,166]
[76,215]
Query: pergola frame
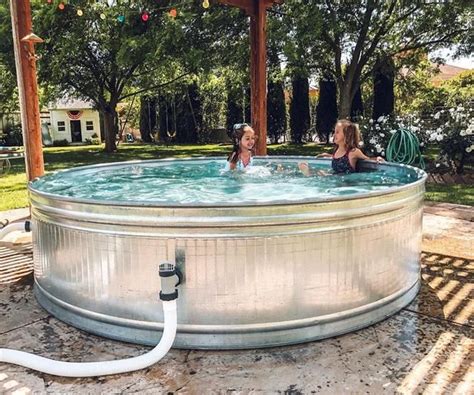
[25,60]
[257,11]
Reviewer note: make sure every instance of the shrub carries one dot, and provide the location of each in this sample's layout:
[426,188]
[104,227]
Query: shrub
[93,141]
[376,134]
[453,130]
[60,143]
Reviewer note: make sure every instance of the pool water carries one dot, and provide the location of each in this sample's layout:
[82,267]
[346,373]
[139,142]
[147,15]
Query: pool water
[204,182]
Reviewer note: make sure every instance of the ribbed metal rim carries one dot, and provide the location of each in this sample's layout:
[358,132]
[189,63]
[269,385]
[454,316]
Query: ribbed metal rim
[119,203]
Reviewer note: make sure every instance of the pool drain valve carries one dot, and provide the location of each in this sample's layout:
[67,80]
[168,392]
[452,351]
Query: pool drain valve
[168,274]
[171,277]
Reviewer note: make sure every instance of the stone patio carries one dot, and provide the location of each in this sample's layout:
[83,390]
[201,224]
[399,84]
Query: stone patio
[426,348]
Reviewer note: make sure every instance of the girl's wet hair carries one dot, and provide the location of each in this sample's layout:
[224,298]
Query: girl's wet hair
[238,132]
[351,133]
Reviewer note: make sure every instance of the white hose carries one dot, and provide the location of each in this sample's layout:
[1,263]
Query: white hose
[91,369]
[21,226]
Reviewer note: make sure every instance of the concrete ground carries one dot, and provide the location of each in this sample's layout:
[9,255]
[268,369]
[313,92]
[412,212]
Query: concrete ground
[427,347]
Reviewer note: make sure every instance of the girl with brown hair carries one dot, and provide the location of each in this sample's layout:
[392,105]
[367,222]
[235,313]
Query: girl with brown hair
[347,152]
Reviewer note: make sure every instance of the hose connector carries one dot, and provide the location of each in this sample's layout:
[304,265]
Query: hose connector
[171,277]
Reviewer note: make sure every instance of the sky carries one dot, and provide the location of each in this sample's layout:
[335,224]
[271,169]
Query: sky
[466,62]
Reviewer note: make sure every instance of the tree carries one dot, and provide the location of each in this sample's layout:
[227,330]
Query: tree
[276,107]
[103,56]
[384,95]
[8,89]
[326,110]
[353,34]
[276,111]
[189,115]
[113,53]
[299,108]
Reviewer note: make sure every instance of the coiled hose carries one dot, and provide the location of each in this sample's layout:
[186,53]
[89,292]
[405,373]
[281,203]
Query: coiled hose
[404,147]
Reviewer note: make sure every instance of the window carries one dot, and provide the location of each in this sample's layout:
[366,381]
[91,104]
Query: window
[61,126]
[90,125]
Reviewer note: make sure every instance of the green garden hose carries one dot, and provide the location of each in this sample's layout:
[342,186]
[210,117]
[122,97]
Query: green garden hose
[404,147]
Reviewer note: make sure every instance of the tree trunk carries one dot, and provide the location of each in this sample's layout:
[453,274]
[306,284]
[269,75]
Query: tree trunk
[345,100]
[357,108]
[460,165]
[110,127]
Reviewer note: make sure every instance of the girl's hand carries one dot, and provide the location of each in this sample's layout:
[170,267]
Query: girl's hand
[379,159]
[304,168]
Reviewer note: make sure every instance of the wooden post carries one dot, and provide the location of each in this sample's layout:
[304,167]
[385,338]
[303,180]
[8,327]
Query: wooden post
[258,72]
[25,61]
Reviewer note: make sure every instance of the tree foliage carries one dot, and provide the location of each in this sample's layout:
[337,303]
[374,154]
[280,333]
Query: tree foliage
[384,95]
[8,89]
[299,108]
[112,58]
[354,34]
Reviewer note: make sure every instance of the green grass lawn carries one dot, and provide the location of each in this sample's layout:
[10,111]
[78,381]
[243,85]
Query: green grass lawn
[13,192]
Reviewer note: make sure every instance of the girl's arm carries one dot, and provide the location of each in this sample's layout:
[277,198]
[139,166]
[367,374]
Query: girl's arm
[324,155]
[358,154]
[231,164]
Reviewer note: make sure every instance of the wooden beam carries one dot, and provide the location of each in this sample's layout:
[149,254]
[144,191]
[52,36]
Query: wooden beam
[258,74]
[25,62]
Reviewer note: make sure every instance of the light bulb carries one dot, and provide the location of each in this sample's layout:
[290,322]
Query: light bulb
[205,4]
[79,12]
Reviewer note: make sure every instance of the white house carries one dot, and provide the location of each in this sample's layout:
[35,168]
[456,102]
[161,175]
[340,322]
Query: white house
[73,120]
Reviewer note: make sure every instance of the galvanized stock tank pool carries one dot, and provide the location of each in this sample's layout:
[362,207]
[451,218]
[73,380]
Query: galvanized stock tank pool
[269,257]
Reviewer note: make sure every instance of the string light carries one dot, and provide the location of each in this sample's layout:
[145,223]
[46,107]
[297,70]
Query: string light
[144,15]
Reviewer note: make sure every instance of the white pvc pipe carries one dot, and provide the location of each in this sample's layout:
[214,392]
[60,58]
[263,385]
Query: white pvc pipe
[91,369]
[21,226]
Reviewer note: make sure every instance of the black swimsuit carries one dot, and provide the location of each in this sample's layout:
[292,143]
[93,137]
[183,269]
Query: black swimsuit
[342,164]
